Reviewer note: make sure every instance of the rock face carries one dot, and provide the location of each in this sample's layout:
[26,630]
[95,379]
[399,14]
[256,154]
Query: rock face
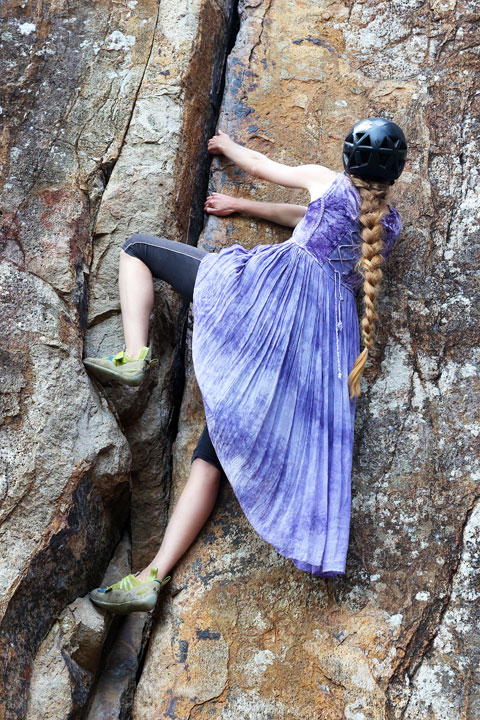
[69,81]
[157,186]
[107,109]
[248,635]
[67,661]
[84,85]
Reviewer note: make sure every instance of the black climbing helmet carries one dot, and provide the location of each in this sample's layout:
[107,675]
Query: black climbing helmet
[375,149]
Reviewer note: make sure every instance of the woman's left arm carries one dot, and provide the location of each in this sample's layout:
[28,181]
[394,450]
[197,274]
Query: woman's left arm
[282,213]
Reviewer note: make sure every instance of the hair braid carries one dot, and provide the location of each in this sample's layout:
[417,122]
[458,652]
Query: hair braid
[372,194]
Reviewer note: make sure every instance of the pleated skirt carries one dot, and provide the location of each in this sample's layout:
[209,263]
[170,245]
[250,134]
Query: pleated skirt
[281,421]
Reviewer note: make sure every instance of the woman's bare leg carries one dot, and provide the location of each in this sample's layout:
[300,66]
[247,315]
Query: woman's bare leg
[136,299]
[190,514]
[148,257]
[135,284]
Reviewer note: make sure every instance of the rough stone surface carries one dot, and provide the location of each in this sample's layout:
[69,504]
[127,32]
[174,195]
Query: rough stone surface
[284,645]
[446,686]
[113,698]
[82,85]
[69,79]
[155,188]
[67,661]
[107,110]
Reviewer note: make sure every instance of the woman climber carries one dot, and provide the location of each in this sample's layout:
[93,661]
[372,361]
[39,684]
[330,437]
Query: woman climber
[276,352]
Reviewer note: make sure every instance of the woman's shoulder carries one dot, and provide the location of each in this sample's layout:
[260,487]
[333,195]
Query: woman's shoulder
[392,224]
[392,221]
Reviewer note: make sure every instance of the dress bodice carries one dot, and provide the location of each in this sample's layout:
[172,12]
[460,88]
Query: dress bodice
[330,231]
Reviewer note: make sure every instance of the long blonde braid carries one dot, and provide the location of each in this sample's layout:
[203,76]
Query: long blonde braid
[372,194]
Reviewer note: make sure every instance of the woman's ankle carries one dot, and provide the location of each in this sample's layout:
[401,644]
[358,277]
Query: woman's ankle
[134,351]
[144,574]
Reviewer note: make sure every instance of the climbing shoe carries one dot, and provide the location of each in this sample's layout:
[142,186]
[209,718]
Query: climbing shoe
[129,594]
[120,367]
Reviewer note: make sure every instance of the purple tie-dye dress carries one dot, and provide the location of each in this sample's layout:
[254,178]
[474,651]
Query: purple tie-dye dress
[275,336]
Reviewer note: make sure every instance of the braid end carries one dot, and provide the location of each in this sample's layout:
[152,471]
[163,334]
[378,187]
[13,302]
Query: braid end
[356,374]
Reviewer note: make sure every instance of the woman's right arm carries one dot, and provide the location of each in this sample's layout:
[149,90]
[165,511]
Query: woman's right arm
[281,213]
[315,178]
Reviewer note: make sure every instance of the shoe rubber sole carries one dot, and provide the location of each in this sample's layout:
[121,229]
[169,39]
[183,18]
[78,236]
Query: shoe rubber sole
[146,604]
[103,373]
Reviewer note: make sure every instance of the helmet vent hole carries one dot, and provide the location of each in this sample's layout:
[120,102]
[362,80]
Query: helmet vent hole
[363,139]
[364,156]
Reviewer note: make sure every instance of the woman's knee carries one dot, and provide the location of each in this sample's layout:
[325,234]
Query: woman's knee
[206,471]
[132,244]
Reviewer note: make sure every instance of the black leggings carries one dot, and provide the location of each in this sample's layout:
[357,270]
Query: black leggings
[177,264]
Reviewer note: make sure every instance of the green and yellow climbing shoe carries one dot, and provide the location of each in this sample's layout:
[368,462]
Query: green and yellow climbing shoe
[120,367]
[129,594]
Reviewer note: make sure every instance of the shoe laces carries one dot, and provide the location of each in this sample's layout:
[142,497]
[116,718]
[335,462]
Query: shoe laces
[130,581]
[121,358]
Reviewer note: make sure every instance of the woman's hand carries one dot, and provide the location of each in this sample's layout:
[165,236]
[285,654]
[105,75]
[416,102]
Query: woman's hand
[219,204]
[218,143]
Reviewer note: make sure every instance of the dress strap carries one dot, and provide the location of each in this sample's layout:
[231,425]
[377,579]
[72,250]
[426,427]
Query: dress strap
[338,316]
[340,262]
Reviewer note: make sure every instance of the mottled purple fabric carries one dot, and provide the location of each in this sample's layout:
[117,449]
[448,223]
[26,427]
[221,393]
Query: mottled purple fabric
[274,327]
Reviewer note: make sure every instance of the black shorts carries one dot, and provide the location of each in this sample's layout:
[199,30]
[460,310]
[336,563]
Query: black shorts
[205,450]
[171,261]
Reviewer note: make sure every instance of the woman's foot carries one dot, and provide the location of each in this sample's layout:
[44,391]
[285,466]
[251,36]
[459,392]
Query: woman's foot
[120,367]
[129,594]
